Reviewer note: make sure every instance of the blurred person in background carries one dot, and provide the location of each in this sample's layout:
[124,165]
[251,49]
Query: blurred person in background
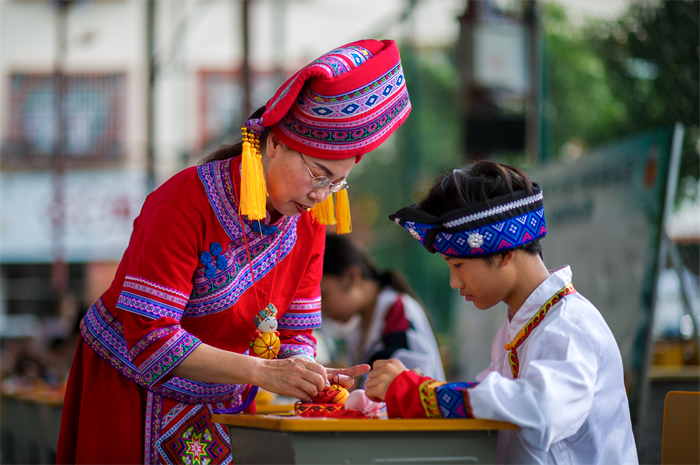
[168,342]
[392,321]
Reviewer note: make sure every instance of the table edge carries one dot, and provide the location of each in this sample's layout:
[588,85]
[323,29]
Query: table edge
[296,424]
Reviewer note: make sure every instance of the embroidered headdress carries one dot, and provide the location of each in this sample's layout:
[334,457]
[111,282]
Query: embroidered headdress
[494,225]
[342,105]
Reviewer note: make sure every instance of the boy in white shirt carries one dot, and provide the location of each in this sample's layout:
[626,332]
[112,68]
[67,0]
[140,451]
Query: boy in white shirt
[556,370]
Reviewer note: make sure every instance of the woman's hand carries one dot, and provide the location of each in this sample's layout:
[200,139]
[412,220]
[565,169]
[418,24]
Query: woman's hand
[383,373]
[344,376]
[298,377]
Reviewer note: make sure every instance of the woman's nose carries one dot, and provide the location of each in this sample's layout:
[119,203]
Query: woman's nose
[319,194]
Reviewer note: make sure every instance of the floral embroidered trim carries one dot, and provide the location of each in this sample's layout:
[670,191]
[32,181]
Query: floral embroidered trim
[155,292]
[215,291]
[532,324]
[428,398]
[147,307]
[287,350]
[344,139]
[154,410]
[300,339]
[104,333]
[313,303]
[156,286]
[298,321]
[361,93]
[354,103]
[168,356]
[152,337]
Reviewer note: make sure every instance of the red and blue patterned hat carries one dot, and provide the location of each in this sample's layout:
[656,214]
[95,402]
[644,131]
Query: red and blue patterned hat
[343,104]
[489,227]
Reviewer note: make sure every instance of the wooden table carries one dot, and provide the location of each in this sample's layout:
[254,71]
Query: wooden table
[295,440]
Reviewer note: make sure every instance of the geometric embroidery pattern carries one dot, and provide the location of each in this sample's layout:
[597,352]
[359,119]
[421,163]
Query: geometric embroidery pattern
[195,440]
[502,235]
[451,400]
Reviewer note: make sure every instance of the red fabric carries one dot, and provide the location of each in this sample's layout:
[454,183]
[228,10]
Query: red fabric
[324,397]
[103,419]
[310,410]
[396,321]
[385,52]
[403,396]
[323,82]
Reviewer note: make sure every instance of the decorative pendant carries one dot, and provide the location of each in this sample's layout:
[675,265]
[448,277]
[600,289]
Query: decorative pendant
[267,342]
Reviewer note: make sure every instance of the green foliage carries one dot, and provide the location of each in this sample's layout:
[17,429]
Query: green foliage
[398,173]
[610,79]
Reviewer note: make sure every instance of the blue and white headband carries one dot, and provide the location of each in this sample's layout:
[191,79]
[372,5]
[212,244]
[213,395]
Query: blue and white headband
[498,224]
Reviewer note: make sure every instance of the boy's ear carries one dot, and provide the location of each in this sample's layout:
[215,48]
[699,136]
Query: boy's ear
[507,257]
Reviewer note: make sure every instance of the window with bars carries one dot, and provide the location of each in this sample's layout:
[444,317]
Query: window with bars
[91,125]
[221,99]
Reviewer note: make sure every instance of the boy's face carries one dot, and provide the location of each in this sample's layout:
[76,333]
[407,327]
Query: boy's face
[478,281]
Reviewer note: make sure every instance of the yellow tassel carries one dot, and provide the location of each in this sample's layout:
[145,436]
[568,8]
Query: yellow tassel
[342,212]
[323,212]
[253,187]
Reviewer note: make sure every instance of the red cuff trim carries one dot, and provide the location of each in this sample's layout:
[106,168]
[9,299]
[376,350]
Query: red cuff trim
[408,396]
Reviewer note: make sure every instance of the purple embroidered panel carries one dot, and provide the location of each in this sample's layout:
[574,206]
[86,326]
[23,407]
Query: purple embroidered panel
[105,335]
[217,288]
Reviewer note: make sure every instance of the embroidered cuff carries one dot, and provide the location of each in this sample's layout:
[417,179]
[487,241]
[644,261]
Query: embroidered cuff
[302,314]
[453,400]
[179,346]
[150,299]
[293,350]
[152,337]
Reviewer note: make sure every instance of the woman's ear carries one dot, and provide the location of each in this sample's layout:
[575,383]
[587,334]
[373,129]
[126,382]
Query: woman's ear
[273,146]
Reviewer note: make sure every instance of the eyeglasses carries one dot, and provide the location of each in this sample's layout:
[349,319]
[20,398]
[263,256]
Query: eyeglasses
[323,181]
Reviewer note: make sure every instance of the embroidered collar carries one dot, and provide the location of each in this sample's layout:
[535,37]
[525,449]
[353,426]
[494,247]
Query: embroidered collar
[221,181]
[557,279]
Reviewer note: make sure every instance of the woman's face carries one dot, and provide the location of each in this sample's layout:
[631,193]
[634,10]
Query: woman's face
[338,301]
[289,181]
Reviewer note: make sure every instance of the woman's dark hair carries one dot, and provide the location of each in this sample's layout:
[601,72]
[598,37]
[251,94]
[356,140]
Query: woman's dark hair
[476,183]
[227,151]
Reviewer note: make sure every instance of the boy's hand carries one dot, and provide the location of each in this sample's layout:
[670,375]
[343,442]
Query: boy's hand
[381,376]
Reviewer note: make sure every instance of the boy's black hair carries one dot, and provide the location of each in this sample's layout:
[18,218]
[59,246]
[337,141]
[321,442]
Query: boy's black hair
[476,183]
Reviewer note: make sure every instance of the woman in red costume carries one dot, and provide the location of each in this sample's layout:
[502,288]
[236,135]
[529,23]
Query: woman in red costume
[167,344]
